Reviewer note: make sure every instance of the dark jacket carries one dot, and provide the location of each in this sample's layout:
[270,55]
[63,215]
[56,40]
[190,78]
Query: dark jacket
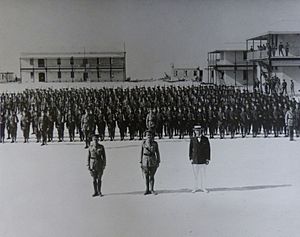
[199,151]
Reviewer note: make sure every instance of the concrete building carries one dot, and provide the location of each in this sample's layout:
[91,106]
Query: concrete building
[275,53]
[7,77]
[73,67]
[185,73]
[229,67]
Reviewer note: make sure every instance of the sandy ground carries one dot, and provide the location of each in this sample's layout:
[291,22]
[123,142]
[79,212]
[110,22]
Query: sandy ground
[253,184]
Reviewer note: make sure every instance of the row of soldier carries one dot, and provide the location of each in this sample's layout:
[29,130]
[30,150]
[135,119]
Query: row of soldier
[172,111]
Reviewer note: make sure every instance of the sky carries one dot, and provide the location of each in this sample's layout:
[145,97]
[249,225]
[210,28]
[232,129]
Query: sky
[156,33]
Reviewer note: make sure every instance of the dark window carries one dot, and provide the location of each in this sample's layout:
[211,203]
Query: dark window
[59,74]
[186,73]
[85,61]
[98,61]
[175,73]
[98,73]
[41,62]
[85,76]
[58,61]
[72,74]
[245,75]
[31,61]
[195,73]
[245,55]
[72,61]
[41,77]
[31,75]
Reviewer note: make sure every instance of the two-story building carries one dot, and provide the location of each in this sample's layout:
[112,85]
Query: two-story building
[73,67]
[276,53]
[229,67]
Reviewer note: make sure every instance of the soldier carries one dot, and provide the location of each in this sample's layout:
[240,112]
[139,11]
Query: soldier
[13,124]
[100,120]
[25,126]
[221,123]
[85,120]
[43,127]
[289,122]
[159,123]
[150,120]
[111,124]
[297,120]
[96,164]
[51,124]
[2,126]
[60,125]
[70,123]
[150,160]
[199,154]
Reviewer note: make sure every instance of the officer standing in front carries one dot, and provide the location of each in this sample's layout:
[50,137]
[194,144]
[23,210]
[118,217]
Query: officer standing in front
[289,122]
[96,164]
[200,157]
[150,160]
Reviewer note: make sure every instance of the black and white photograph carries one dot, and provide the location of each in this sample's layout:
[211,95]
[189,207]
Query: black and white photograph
[172,118]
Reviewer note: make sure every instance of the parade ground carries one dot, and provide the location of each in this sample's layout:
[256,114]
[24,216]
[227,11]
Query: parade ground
[253,191]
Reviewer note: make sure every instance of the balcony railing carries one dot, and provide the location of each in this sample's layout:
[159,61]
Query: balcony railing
[264,54]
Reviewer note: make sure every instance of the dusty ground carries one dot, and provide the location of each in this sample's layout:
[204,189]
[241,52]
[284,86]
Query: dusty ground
[253,184]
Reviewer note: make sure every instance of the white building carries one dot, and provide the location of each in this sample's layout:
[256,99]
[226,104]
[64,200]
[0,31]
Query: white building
[186,73]
[73,67]
[276,53]
[7,77]
[229,67]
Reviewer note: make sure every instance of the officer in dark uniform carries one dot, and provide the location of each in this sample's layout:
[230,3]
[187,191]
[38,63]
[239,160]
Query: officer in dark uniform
[150,160]
[13,123]
[96,164]
[2,126]
[43,127]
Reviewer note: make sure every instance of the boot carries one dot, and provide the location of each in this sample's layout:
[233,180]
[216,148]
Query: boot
[99,188]
[152,186]
[95,189]
[147,186]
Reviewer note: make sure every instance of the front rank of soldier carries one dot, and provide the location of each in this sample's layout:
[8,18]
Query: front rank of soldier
[96,164]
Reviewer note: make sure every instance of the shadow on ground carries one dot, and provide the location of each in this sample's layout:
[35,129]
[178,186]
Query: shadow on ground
[222,189]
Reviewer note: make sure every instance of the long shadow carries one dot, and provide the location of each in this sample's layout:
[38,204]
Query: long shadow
[222,189]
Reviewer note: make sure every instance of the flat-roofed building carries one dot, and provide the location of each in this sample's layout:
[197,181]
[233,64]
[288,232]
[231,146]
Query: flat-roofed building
[276,54]
[73,67]
[7,77]
[186,73]
[229,67]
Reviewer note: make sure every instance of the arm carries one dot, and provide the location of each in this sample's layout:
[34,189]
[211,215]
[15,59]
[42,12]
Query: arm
[208,152]
[142,152]
[157,154]
[191,149]
[104,157]
[89,160]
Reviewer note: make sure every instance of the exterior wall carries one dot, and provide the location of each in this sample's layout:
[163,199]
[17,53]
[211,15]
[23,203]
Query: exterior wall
[185,73]
[7,77]
[230,58]
[229,78]
[97,69]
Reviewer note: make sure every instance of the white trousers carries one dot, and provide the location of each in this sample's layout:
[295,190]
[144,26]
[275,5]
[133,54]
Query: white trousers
[199,170]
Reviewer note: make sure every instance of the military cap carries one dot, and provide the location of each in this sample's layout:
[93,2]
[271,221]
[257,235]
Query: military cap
[197,127]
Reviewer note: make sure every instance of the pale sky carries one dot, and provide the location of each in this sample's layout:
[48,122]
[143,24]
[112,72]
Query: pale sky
[156,32]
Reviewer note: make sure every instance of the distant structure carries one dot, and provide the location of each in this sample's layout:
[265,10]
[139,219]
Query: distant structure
[229,67]
[184,73]
[7,77]
[73,67]
[275,54]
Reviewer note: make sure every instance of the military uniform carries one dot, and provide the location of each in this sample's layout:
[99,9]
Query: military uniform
[150,160]
[25,126]
[96,165]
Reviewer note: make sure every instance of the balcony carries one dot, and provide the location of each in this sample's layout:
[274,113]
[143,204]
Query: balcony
[294,53]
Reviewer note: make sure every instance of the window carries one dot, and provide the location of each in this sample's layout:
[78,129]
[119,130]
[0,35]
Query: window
[41,62]
[195,73]
[72,74]
[31,61]
[85,76]
[59,74]
[58,61]
[72,61]
[186,73]
[98,61]
[31,75]
[85,61]
[245,75]
[175,73]
[245,55]
[112,75]
[98,73]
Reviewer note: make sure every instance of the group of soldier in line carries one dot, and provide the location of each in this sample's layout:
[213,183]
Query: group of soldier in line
[173,110]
